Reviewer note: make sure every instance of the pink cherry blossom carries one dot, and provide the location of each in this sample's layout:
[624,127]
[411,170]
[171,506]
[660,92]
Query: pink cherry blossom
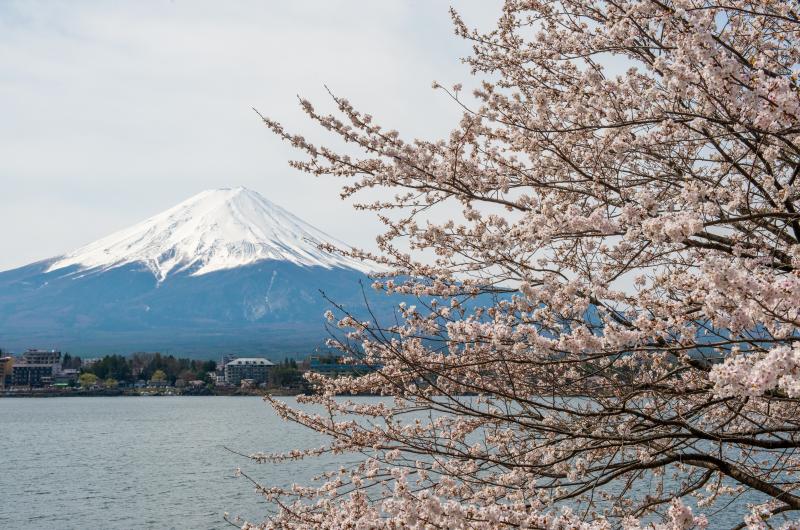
[607,334]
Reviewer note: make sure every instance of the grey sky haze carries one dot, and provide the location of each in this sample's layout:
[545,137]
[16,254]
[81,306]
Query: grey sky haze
[111,112]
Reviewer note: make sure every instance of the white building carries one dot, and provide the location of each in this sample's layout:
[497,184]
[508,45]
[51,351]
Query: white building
[255,368]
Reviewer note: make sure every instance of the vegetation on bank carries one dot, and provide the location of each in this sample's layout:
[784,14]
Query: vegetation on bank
[147,367]
[114,370]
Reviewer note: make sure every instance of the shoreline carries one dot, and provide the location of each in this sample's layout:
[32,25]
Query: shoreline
[127,393]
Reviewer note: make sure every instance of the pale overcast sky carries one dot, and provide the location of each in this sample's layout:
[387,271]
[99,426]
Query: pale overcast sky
[111,112]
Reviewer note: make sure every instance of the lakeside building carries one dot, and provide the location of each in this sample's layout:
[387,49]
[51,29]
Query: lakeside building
[219,374]
[6,371]
[66,377]
[333,366]
[37,368]
[257,369]
[51,357]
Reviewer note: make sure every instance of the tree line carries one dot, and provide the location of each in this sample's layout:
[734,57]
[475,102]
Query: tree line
[144,366]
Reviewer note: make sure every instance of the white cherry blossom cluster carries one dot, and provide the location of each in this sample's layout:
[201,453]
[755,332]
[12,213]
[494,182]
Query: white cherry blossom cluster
[606,333]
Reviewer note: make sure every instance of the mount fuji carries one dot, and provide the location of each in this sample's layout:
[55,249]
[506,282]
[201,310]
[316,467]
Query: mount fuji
[224,271]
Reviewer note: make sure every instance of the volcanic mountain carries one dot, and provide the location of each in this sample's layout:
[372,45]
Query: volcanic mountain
[224,271]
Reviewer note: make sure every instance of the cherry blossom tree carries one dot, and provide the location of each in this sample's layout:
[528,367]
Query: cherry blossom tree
[606,335]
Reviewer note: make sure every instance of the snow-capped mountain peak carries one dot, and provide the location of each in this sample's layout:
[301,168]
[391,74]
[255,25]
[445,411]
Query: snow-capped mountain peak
[211,231]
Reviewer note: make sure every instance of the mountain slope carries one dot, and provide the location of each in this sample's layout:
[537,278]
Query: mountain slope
[214,230]
[225,271]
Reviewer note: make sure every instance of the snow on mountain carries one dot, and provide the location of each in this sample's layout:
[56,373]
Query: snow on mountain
[214,230]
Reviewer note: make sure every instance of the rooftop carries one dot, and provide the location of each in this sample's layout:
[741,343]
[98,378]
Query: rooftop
[251,360]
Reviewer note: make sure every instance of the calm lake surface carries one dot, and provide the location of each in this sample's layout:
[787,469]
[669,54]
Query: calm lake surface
[140,462]
[156,462]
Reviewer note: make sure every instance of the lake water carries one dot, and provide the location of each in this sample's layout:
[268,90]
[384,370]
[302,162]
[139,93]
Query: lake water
[155,462]
[139,462]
